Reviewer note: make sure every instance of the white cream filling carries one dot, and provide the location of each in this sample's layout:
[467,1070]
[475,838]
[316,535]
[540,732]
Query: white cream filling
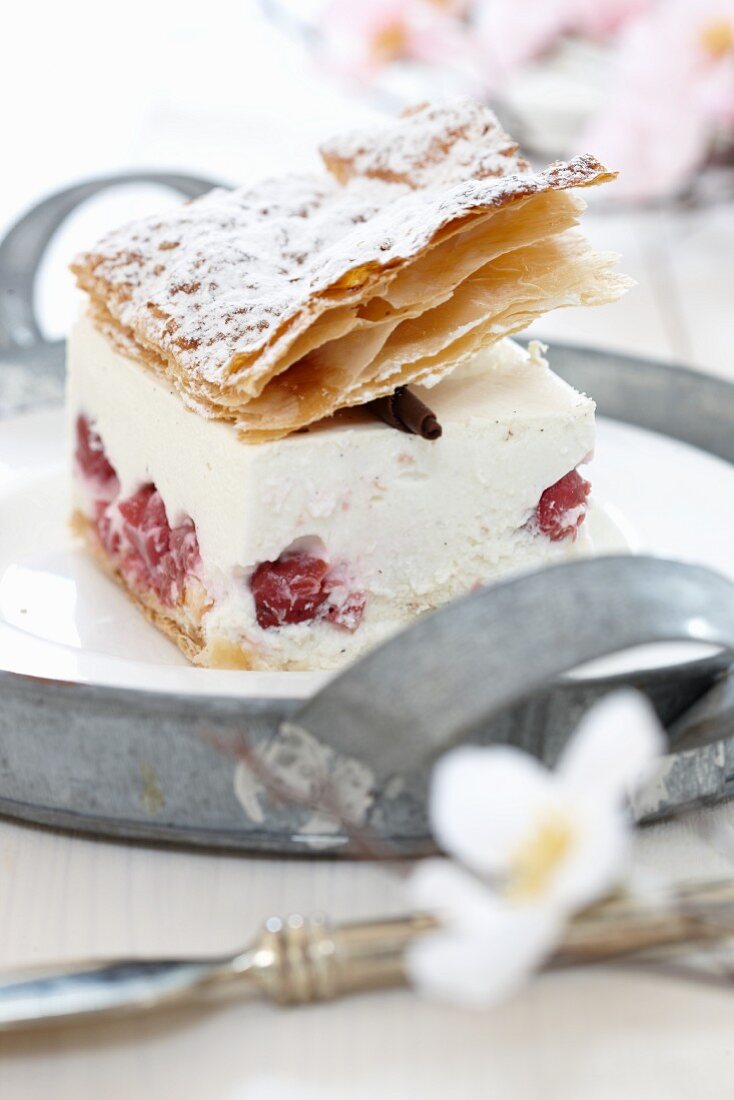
[413,522]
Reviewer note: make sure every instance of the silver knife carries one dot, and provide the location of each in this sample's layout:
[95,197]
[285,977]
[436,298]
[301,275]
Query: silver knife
[299,960]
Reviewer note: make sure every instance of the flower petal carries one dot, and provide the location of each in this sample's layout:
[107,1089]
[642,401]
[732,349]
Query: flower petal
[596,862]
[487,948]
[442,887]
[613,748]
[483,800]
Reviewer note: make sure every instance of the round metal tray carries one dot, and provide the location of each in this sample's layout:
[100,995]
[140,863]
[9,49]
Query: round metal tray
[346,771]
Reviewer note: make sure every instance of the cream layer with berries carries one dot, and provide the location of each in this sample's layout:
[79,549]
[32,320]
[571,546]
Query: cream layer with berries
[304,552]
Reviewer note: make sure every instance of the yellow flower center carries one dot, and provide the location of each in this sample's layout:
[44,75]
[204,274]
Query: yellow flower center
[537,859]
[717,38]
[389,43]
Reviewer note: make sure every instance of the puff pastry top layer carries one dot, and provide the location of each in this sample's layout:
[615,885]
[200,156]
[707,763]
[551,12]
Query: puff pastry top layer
[273,306]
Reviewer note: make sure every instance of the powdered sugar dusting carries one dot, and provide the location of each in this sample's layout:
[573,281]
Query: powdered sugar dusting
[216,286]
[434,145]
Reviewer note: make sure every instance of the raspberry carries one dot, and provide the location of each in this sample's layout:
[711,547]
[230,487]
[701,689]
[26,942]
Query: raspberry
[90,456]
[185,546]
[299,588]
[134,508]
[151,553]
[562,507]
[349,613]
[289,590]
[155,554]
[107,533]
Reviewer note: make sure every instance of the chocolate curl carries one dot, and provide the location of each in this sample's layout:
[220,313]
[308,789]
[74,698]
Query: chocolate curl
[406,412]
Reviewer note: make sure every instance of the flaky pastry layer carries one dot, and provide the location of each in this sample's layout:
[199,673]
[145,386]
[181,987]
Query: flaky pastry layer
[272,307]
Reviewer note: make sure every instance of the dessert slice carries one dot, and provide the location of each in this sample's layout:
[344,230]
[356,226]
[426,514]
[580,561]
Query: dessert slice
[304,552]
[230,469]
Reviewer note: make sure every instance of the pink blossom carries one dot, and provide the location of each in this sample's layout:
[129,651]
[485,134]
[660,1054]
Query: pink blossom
[516,31]
[362,36]
[604,18]
[674,86]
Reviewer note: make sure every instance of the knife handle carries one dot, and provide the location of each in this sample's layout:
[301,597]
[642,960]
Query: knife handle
[299,960]
[293,961]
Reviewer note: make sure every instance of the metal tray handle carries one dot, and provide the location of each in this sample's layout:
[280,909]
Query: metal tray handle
[22,342]
[458,669]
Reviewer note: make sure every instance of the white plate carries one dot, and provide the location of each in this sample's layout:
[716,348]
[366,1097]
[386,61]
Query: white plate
[60,619]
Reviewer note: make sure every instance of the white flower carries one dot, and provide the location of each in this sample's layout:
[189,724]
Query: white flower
[537,846]
[486,947]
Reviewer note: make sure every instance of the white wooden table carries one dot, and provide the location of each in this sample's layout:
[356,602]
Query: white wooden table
[591,1036]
